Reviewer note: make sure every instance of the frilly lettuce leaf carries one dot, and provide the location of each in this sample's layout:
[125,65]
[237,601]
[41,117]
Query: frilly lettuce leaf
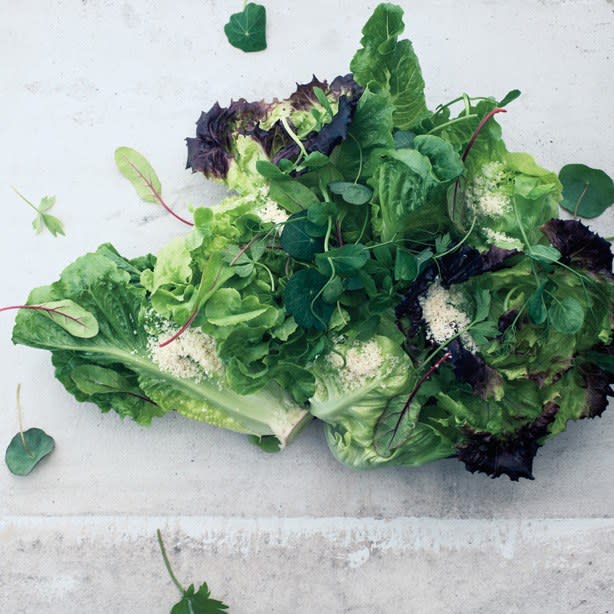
[392,64]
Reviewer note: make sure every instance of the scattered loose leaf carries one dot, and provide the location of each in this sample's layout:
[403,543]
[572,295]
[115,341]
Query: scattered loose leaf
[72,318]
[139,172]
[27,449]
[587,191]
[43,219]
[247,30]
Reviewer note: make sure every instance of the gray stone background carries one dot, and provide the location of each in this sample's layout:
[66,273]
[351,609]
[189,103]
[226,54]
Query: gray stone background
[295,532]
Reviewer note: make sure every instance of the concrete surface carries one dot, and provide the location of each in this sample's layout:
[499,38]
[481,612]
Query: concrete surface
[296,532]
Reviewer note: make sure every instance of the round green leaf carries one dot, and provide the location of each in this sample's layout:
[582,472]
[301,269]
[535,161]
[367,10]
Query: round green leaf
[587,191]
[301,302]
[566,315]
[247,30]
[21,459]
[352,193]
[297,238]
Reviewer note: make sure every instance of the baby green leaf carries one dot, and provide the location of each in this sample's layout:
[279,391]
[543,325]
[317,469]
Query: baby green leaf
[71,317]
[302,299]
[27,449]
[347,259]
[43,219]
[269,170]
[536,307]
[267,443]
[545,254]
[291,195]
[297,240]
[405,266]
[247,30]
[587,191]
[566,315]
[352,193]
[395,425]
[139,172]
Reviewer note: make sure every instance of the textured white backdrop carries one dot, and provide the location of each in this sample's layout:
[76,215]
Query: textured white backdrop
[296,532]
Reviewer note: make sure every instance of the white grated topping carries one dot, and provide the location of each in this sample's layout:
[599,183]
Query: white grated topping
[363,361]
[484,195]
[191,355]
[271,212]
[442,316]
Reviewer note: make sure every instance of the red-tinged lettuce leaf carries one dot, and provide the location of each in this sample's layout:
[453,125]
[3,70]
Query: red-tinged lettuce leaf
[211,151]
[472,369]
[579,246]
[510,455]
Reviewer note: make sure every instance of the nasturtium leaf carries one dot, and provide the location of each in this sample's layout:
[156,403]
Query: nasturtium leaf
[352,193]
[21,459]
[247,30]
[405,266]
[72,318]
[303,300]
[139,172]
[546,254]
[587,191]
[297,240]
[566,315]
[346,259]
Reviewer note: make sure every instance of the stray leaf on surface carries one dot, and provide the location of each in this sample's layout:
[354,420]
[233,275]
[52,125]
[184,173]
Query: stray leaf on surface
[247,30]
[27,449]
[139,172]
[43,219]
[587,191]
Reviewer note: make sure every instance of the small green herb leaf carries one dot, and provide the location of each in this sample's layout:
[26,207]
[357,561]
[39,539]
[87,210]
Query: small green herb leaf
[352,193]
[199,602]
[297,240]
[566,315]
[27,449]
[405,266]
[587,191]
[303,300]
[247,30]
[269,170]
[545,254]
[509,97]
[43,219]
[536,307]
[347,259]
[267,443]
[139,172]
